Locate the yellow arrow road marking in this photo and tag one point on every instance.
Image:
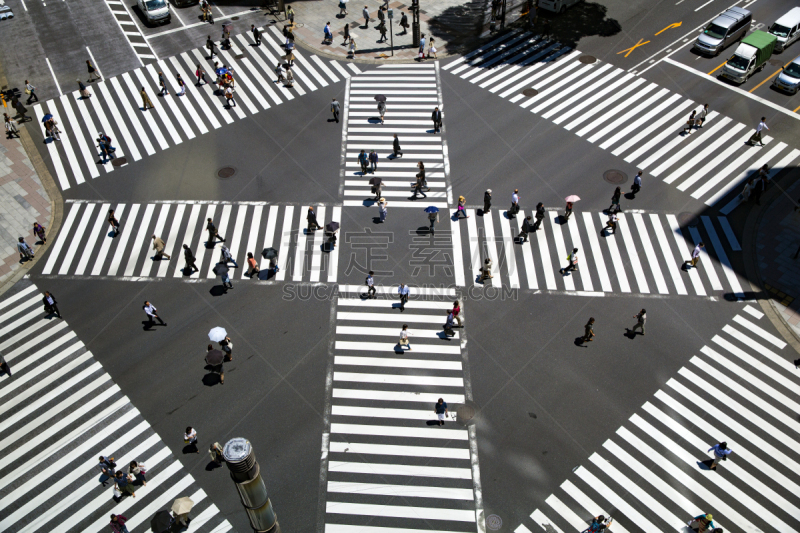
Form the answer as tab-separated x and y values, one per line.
673	25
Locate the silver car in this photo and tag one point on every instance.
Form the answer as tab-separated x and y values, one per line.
789	78
724	30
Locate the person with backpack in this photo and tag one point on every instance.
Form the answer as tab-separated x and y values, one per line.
104	143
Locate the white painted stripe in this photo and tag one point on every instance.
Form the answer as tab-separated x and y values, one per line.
13	312
342	528
243	85
400	470
494	55
727	269
66	144
170	102
269	235
762	351
410	451
623	115
657	125
552	87
394	396
18	296
166	120
119	212
683	251
158	231
597	252
474	244
621	81
141	243
340	69
544	254
200	520
261	83
784	163
400	317
587	503
587	89
491	242
201	245
54	155
85	113
316	252
236	237
76	239
86	149
772	339
663	242
333	255
298	72
538	517
749	309
27	318
286	236
470	55
400	491
393	347
255	226
380	412
222	230
396	363
423	513
527	255
394	204
214	101
670	132
728	230
188	236
118	121
132	115
34	358
508	245
148	116
549	64
358	302
637	125
420	381
300	248
274	60
28	343
575	235
266	83
324	68
561	249
116	259
172	239
578	523
399	431
741	176
704	154
190	96
633	255
184	101
413	291
650	253
602	106
392	332
94	103
88	248
706	262
722	156
691	142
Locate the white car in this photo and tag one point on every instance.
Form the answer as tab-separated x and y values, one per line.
155	11
789	78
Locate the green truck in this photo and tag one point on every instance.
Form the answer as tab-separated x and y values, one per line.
750	56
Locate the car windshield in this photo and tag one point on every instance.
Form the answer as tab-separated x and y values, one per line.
738	62
155	4
717	32
792	70
779	31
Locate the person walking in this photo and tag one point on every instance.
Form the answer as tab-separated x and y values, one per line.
403	291
50	304
279	73
138	471
256	34
721	453
747	190
52	129
611	223
84	90
404	342
689	123
327	34
448	325
421	51
94	74
396	151
572	262
588	331
382	28
117	523
158	246
346	34
213	233
637	183
21	110
190	438
226	279
756	136
641	318
181	85
226	345
252	266
456	311
200	74
343	8
25	251
11	126
527	227
370	283
702	523
311	217
107	468
695	256
210	46
382	211
461	208
514	209
289	76
123	484
403	23
433	218
377	185
487	200
231	102
40	233
436	117
290	14
113	222
146	103
365	15
4	366
30	90
431	49
701	116
382	110
335	109
568	210
152	313
163	84
352	50
189	258
373	161
215	451
104	142
615	198
363	161
421	175
486	270
441	411
226	257
761	184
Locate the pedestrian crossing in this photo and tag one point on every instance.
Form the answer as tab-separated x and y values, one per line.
650	476
115	107
124	19
644	256
390	467
86	246
626	115
60	412
412	92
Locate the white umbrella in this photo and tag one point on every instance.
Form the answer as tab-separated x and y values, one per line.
182	505
217	334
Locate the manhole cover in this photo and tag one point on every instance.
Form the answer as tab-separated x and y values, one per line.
776	62
530	92
587	59
234	18
119	161
465	413
240	56
615	176
688	220
226	172
494	522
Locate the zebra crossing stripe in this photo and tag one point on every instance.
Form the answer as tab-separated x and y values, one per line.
73	248
93	234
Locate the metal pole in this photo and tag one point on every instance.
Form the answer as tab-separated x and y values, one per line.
391	36
246	474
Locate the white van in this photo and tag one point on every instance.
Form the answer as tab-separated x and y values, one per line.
786	29
155	11
557	6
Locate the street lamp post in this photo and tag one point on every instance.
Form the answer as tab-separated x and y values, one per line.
391	32
415	31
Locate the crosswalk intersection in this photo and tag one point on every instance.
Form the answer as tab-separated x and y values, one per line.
61	411
645	255
390	468
86	246
115	105
624	114
650	477
412	92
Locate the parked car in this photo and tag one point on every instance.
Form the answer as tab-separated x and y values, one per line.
789	78
786	29
182	3
155	11
723	31
750	56
557	6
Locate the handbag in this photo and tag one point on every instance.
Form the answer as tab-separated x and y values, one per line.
117	492
403	342
27	91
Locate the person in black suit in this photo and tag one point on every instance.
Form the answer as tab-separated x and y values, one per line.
436	117
50	304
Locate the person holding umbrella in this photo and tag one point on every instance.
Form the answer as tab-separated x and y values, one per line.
433	215
571	199
221	270
330	234
376	187
272	255
215	359
181	509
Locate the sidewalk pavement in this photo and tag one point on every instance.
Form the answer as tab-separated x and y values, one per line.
311	17
778	244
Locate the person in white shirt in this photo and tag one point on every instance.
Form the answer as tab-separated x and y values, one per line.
404	338
612	223
30	89
573	262
757	135
695	255
152	313
190	438
403	291
637	183
370	285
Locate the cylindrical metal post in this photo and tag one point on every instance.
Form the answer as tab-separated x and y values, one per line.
246	474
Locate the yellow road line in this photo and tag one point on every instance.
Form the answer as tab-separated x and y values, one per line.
795	110
716	69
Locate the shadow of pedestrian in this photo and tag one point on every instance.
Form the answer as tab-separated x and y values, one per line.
212	466
630	333
211	379
147	325
218	290
630	195
431	422
579	342
705	465
423	230
190	448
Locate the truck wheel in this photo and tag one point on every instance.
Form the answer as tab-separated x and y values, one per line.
562	10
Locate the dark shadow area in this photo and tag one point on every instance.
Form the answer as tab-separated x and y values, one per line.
218	290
